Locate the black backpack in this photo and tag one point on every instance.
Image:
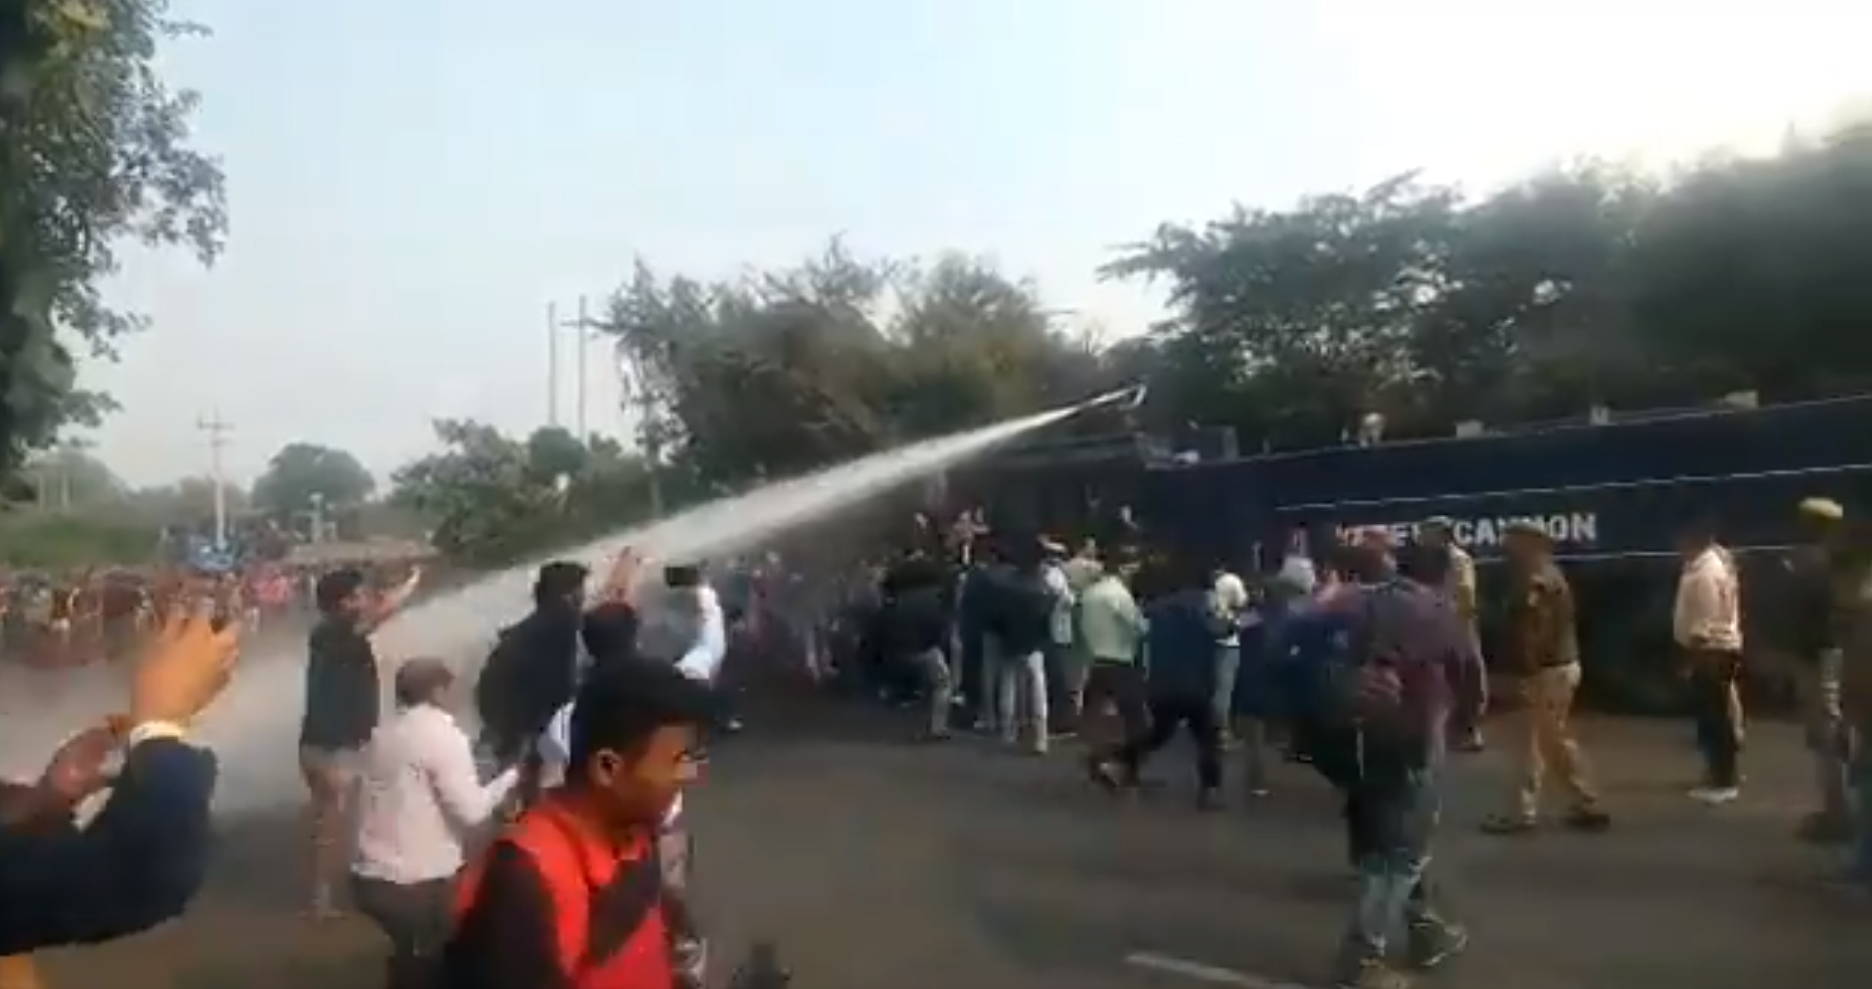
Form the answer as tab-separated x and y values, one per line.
496	686
1020	612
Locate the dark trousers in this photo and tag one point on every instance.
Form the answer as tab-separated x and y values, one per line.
1197	715
416	919
1123	685
969	672
1062	695
1712	676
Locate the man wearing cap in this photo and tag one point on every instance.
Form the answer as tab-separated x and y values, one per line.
1542	655
1438	533
1808	641
1852	621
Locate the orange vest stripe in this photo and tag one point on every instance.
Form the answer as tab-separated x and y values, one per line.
620	897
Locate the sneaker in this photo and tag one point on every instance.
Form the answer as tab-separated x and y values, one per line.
1210	799
1716	796
1372	973
691	962
1508	824
1434	942
1105	773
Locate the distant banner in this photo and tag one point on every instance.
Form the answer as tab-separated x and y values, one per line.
205	556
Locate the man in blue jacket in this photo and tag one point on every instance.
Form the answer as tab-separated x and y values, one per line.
144	856
1181	673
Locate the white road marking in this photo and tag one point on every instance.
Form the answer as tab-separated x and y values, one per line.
1212	974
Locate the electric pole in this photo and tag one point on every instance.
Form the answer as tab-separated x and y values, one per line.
581	389
581	328
217	430
552	364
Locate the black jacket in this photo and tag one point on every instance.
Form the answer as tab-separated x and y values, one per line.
1018	609
531	674
138	864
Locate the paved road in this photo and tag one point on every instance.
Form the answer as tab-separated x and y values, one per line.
879	865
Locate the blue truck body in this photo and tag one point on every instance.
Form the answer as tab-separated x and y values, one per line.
1617	490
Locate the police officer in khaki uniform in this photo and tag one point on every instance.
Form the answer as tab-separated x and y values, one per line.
1542	659
1852	624
1807	643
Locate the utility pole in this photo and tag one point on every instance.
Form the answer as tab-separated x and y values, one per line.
582	327
217	430
581	389
552	364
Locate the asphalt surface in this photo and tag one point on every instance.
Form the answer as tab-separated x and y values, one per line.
877	864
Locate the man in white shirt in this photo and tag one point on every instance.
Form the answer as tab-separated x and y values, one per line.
1063	672
1230	602
419	795
1706	624
683	623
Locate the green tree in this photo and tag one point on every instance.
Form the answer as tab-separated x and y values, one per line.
93	149
302	473
786	371
490	498
1580	287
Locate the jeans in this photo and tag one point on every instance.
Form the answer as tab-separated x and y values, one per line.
938	687
1712	677
1391	815
1066	680
415	917
1019	685
1228	666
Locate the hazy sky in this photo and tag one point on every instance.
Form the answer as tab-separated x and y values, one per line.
412	181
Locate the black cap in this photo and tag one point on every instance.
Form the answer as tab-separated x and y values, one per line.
623	702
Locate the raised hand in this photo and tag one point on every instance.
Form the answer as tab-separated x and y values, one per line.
186	668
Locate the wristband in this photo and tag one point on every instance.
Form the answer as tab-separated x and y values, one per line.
149	730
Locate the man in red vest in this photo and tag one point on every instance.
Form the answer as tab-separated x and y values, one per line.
571	896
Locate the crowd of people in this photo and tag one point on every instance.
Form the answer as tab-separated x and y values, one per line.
52	620
1361	659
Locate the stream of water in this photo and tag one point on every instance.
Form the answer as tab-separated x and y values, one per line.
254	727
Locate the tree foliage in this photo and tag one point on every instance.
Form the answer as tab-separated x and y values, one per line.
491	498
94	148
782	372
1580	287
302	473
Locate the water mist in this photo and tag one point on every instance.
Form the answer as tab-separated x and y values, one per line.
254	727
